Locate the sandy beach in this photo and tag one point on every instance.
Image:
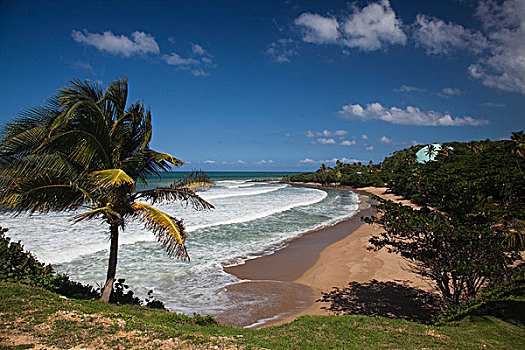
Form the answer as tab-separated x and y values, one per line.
293	278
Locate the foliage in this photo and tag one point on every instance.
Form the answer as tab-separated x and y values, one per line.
356	175
18	265
459	257
87	147
493	301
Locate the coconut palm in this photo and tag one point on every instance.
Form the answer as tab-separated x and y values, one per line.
86	149
431	151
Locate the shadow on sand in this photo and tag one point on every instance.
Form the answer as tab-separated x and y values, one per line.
386	299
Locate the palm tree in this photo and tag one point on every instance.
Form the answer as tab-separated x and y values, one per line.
86	149
431	151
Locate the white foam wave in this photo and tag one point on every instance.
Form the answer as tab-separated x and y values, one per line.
254	216
239	193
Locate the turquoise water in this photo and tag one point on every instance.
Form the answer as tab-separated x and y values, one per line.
250	219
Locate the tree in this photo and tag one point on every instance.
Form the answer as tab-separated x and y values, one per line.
459	257
517	139
85	148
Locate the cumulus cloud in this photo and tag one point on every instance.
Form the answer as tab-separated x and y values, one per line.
209	162
386	140
406	88
449	92
348	143
198	50
364	137
373	27
499	52
325	141
196	64
408	116
176	60
370	28
369	148
318	29
138	43
504	68
438	37
282	50
307	160
326	133
264	161
493	105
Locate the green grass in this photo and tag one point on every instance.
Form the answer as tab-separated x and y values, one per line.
31	315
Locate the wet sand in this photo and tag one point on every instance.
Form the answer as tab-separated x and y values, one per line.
293	278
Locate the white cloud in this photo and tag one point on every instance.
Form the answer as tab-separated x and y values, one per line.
449	92
282	50
364	137
138	43
386	140
198	50
176	60
348	143
325	141
340	133
318	29
369	28
196	65
326	133
406	88
499	52
504	68
373	27
369	148
438	37
209	162
493	105
83	65
409	116
241	161
307	160
263	161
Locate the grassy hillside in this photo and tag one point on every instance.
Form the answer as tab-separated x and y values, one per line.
32	316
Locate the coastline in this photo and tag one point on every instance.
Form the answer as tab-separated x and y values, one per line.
294	277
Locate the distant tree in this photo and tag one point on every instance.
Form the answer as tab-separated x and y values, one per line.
86	148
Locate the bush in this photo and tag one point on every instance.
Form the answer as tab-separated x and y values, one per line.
20	266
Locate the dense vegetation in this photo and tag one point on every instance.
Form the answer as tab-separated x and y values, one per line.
470	243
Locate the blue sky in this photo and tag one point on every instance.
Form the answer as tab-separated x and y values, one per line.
280	85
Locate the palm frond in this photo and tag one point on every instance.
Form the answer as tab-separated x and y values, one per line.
42	193
183	191
111	178
175	194
106	212
168	230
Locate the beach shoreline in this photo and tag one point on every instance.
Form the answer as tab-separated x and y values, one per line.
294	277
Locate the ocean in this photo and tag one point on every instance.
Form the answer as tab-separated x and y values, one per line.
251	218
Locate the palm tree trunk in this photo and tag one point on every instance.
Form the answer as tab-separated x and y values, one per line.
112	268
